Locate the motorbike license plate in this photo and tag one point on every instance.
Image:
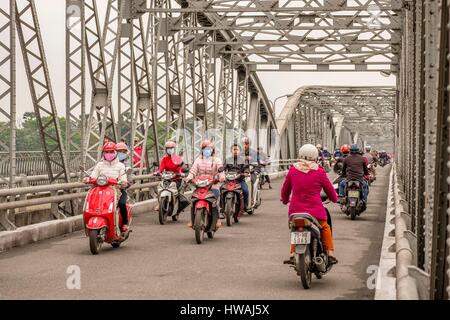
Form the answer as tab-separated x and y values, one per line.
353	194
301	237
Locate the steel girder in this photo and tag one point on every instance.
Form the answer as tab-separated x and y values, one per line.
102	52
310	35
75	82
8	85
36	67
8	95
422	138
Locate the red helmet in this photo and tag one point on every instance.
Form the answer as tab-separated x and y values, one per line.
345	148
109	146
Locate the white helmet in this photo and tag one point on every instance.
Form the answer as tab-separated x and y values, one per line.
308	152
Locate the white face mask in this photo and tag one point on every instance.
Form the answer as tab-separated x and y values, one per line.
170	151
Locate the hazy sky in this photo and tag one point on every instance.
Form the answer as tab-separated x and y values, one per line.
52	22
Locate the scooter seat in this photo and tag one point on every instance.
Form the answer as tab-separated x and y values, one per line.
307	216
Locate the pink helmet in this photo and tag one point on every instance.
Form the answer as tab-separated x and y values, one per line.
170	144
206	143
121	146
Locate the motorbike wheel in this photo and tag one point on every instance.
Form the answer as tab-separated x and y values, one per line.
115	245
198	225
228	211
163	213
94	243
303	262
237	212
352	213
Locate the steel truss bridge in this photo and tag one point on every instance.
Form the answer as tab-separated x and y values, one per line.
185	70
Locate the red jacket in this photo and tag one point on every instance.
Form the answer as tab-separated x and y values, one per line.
168	165
305	188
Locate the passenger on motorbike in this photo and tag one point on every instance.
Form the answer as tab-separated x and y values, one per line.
236	162
354	168
208	164
111	167
305	180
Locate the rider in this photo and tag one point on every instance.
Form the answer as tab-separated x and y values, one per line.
236	162
208	164
355	168
384	155
325	153
111	167
264	159
171	162
305	180
250	155
319	147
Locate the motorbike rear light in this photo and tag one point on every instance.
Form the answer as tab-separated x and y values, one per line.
302	223
300	229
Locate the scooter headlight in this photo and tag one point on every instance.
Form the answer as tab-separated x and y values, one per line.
202	183
102	181
231	176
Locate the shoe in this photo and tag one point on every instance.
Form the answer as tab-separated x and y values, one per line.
332	260
125	227
218	224
290	261
270	187
189	225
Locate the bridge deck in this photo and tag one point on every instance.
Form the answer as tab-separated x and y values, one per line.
163	262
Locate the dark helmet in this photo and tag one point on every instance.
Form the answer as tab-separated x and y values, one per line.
354	148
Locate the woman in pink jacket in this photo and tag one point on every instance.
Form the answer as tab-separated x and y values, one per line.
305	180
208	164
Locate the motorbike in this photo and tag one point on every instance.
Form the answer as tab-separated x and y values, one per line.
325	162
168	197
232	197
372	176
337	168
101	215
254	189
383	162
353	204
203	200
264	174
309	256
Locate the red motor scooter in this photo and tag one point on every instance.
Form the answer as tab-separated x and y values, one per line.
102	218
203	200
232	197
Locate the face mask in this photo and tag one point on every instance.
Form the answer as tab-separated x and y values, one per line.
207	153
170	151
110	156
122	156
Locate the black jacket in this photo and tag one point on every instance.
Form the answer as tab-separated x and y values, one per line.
355	167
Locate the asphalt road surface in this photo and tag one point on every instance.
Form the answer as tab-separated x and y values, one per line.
164	262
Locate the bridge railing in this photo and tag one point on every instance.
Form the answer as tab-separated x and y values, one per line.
62	196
